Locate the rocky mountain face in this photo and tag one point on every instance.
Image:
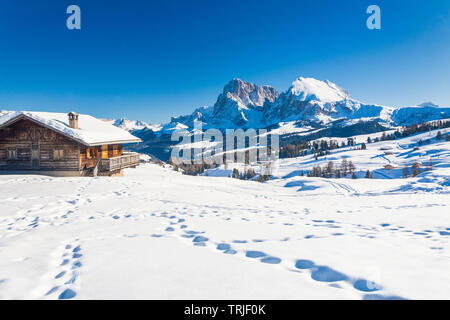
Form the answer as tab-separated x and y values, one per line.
239	105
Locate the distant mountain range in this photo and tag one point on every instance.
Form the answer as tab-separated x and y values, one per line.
307	103
308	109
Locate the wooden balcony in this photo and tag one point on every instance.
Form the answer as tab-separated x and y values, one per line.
127	160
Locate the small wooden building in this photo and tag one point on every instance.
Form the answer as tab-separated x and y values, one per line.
61	144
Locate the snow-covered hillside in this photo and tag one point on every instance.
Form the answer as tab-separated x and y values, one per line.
422	113
154	234
384	159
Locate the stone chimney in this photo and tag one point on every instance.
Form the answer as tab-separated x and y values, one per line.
73	120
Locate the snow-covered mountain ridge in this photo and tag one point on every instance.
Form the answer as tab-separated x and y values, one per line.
308	101
129	125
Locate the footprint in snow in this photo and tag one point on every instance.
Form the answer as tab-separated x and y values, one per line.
67	294
200	239
271	260
254	254
52	290
304	264
192	232
70	267
156	235
223	246
381	297
327	274
64	262
226	248
366	286
265	258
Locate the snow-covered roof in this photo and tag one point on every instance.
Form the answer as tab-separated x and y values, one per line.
90	132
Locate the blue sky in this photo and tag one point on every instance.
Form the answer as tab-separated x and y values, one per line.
150	60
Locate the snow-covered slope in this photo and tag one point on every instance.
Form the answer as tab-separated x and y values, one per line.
421	113
310	89
311	100
153	234
421	148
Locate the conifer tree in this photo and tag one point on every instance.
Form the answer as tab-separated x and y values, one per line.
236	174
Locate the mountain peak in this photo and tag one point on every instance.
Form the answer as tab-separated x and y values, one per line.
249	92
428	104
310	89
129	125
240	100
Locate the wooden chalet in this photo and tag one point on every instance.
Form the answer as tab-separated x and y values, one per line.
59	144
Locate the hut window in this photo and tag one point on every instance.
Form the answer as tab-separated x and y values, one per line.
23	154
58	154
91	153
11	154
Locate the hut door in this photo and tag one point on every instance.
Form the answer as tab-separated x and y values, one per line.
35	156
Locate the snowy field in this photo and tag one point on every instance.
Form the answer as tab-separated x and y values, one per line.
157	234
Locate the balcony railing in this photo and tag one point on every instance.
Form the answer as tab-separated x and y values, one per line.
116	163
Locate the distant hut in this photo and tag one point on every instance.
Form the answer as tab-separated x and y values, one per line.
416	165
60	144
